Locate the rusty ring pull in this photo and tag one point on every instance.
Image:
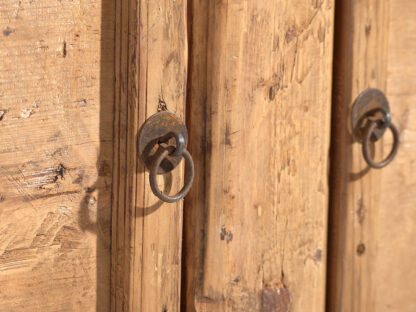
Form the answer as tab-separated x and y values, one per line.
180	142
366	152
370	117
162	145
188	178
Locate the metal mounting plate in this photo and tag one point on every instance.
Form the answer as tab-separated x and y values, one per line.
371	103
155	127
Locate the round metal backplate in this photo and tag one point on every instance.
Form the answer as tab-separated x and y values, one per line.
157	126
370	104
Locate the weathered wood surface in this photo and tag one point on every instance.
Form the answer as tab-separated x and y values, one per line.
260	97
56	108
395	266
371	267
151	66
372	216
359	63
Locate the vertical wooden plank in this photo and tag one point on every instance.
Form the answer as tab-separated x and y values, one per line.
360	59
164	73
256	217
124	163
147	234
373	267
396	221
196	121
56	107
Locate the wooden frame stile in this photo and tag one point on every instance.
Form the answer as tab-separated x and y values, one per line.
260	94
360	62
151	66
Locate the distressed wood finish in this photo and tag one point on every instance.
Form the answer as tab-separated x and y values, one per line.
372	224
396	219
359	63
259	123
151	67
56	107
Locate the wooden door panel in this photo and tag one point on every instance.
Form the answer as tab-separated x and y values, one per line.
77	81
396	226
372	216
151	69
56	103
259	117
360	57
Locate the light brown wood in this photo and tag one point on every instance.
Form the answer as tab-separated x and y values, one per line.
372	260
151	67
259	121
395	266
56	107
359	63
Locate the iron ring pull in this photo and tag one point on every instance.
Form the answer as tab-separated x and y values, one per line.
366	142
370	118
190	173
161	146
180	142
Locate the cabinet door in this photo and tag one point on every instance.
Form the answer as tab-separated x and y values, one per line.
372	224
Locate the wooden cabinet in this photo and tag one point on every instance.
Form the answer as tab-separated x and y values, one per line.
283	215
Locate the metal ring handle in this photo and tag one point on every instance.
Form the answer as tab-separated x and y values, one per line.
188	178
180	142
366	153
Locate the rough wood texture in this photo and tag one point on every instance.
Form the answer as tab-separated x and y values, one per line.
395	265
56	108
372	223
259	123
151	66
360	59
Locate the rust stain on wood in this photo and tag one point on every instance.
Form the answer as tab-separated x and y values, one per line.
276	299
360	210
8	31
226	235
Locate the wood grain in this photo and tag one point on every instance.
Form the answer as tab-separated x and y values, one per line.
151	67
56	107
372	266
395	268
259	121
